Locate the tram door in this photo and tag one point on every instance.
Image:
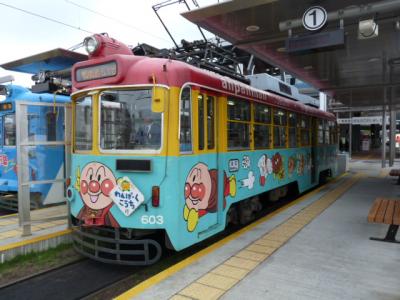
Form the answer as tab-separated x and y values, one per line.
314	143
207	158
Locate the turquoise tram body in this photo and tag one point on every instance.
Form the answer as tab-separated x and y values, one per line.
166	153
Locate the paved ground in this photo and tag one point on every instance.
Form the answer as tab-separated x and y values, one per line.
330	256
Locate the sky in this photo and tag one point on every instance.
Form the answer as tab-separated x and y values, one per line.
129	21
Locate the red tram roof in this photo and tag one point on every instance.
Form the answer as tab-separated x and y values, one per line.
139	70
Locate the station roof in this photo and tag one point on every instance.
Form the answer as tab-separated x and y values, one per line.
355	72
53	60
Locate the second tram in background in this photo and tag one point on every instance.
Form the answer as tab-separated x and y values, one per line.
42	123
167	153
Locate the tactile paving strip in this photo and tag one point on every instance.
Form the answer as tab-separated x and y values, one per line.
222	278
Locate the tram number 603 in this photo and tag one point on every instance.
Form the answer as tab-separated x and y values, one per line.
152	219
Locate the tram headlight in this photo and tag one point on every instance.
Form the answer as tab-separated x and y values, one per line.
91	44
70	194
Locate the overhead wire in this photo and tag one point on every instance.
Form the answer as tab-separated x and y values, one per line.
45	18
114	19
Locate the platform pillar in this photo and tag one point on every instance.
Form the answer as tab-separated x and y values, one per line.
384	135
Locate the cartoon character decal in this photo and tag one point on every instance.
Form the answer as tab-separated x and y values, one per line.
249	181
201	194
292	161
94	184
277	166
246	162
265	166
300	164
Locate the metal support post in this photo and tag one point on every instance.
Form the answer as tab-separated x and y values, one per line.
392	136
350	134
24	207
384	135
322	101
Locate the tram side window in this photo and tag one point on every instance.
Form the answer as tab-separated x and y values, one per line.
83	123
200	114
332	133
326	132
292	130
262	126
280	125
210	122
238	124
9	130
185	121
320	132
305	131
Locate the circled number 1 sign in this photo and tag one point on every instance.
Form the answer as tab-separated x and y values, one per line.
314	18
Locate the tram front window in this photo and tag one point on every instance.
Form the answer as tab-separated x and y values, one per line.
83	123
127	121
9	130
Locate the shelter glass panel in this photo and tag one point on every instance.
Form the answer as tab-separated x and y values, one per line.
45	123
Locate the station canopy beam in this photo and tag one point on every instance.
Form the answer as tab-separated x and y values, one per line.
360	67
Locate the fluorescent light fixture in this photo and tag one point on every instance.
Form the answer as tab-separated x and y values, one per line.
253	28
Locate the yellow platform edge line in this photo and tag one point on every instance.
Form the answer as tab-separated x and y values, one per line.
35	211
35	240
9	216
141	287
334	194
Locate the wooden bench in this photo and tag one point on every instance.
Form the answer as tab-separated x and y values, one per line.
386	211
396	173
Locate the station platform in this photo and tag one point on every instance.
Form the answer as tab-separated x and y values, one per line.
45	234
316	247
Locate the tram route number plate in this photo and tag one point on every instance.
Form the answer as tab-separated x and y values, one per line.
126	196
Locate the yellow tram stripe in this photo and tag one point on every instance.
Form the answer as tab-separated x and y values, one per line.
141	287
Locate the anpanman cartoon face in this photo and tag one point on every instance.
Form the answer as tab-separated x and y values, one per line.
97	181
277	163
198	187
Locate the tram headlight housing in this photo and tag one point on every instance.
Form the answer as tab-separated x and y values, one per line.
70	194
91	44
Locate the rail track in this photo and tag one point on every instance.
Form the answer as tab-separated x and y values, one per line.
88	279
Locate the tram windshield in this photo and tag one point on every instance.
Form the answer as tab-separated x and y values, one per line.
127	121
9	130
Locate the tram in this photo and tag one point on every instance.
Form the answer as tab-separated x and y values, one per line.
167	153
43	123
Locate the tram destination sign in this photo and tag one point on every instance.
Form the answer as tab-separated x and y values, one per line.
99	71
315	41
